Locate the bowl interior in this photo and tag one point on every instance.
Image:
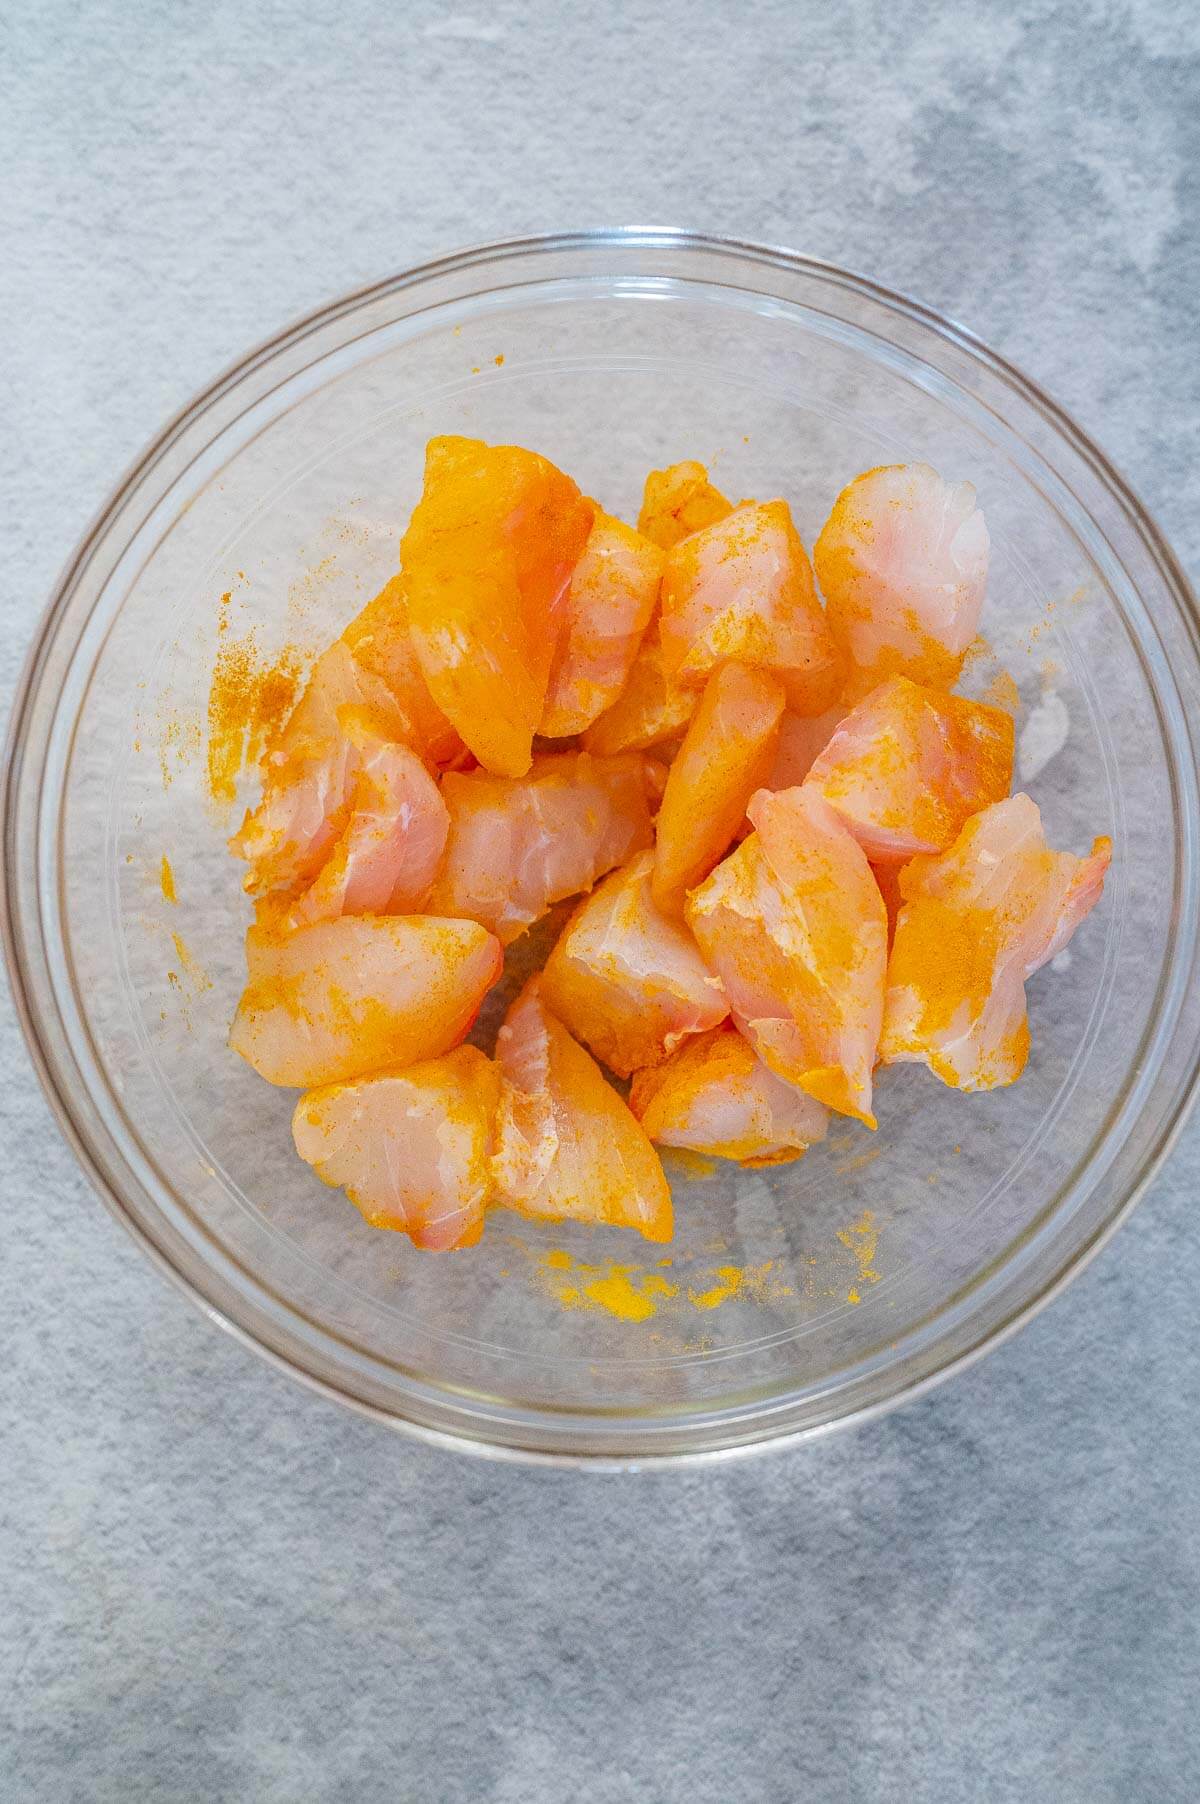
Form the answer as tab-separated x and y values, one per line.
795	1292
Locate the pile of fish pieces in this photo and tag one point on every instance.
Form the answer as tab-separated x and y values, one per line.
796	847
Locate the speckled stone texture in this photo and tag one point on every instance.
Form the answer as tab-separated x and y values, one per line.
216	1587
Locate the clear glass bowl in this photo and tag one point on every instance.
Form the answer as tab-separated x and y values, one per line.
795	1298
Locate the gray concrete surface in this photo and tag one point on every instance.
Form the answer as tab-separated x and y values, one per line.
216	1587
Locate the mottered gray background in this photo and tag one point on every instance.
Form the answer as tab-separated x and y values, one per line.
216	1586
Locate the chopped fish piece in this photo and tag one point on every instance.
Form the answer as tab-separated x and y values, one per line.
626	979
794	925
341	998
902	561
568	1148
743	588
412	1148
677	501
486	560
390	849
802	737
976	922
909	765
610	602
727	753
714	1095
382	643
308	774
517	845
650	710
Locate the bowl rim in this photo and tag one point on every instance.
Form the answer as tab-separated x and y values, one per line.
491	252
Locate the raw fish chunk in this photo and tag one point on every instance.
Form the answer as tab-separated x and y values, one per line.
336	681
485	562
390	849
802	737
909	765
610	602
795	927
412	1148
743	588
975	923
309	770
715	1096
902	561
308	774
341	998
651	709
677	501
568	1148
517	845
626	979
728	752
381	641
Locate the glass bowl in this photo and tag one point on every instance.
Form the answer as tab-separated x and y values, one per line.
794	1298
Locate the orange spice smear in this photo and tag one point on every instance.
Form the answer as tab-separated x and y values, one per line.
248	701
636	1293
